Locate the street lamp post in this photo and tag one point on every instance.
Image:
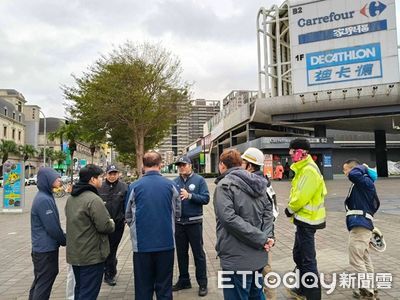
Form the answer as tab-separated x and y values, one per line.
45	138
204	154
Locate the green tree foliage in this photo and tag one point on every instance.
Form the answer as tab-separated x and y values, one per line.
49	155
128	159
134	94
27	151
74	131
70	131
59	157
7	147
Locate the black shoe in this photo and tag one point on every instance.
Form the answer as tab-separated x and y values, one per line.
181	286
296	294
203	291
365	294
110	281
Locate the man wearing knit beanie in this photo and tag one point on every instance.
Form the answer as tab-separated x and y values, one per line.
306	210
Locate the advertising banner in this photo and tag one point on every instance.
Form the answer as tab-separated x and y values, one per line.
202	159
338	44
268	166
14	184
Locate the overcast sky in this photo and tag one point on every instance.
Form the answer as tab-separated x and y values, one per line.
42	42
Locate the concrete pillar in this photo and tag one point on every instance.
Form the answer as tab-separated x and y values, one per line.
220	150
320	131
251	133
381	153
233	141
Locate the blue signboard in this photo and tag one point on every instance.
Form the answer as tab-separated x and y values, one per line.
13	182
344	64
342	32
327	161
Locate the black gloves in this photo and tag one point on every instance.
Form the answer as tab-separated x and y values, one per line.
287	213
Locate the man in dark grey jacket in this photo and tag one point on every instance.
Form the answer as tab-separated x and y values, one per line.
244	226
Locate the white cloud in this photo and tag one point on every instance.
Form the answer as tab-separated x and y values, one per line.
43	42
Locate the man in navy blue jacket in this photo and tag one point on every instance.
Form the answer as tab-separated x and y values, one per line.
361	204
152	205
189	227
47	235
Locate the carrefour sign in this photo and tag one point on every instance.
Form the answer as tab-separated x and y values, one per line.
332	17
371	9
342	43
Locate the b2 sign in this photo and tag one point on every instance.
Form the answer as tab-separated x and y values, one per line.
339	44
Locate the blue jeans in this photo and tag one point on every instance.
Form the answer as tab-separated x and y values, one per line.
250	292
88	281
304	256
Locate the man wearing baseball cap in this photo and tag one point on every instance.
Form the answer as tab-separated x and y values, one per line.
189	227
113	193
307	211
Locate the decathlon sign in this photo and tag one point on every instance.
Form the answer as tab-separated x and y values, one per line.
343	59
344	64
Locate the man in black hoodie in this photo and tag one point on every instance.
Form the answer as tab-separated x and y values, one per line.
88	226
47	235
113	193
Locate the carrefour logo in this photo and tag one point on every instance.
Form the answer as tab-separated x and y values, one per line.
373	9
332	17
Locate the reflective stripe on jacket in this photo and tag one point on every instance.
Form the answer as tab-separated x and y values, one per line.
307	195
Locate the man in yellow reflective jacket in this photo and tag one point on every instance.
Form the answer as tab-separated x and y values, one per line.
307	211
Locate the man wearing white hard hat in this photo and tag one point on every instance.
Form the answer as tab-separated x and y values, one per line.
253	161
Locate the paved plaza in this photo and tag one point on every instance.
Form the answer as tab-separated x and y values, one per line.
16	271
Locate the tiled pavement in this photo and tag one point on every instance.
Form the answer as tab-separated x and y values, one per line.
16	267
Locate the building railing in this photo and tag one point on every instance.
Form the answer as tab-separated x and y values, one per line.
232	102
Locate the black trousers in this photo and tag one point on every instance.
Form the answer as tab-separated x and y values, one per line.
304	256
153	272
191	234
45	270
88	281
110	269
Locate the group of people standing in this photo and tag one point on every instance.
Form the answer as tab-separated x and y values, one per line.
95	218
163	215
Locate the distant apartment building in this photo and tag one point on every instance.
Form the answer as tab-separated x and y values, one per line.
237	98
187	129
12	116
203	110
173	145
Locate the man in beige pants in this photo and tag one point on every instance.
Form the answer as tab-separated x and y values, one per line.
361	204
